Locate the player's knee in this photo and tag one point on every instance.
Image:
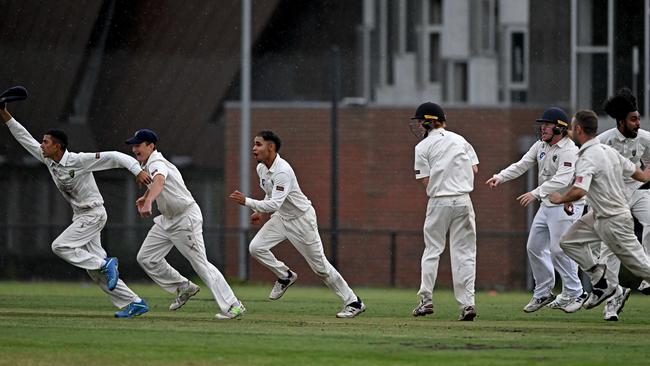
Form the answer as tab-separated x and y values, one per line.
143	261
255	250
557	252
57	248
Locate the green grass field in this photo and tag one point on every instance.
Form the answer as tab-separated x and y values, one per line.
72	324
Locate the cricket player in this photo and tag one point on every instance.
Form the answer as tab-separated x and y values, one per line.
80	244
292	218
634	144
599	176
555	155
445	163
179	225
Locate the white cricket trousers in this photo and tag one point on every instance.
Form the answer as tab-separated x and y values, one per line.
302	233
617	232
640	208
80	245
453	215
185	232
545	255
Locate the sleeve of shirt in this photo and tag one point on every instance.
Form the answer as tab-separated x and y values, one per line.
517	169
563	176
472	154
584	174
645	158
281	188
105	160
422	168
25	139
157	167
628	167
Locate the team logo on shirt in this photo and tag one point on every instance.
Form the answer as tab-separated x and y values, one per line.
554	158
263	181
71	174
634	152
542	155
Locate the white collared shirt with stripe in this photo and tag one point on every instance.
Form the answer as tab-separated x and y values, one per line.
446	158
283	194
175	198
637	150
599	171
73	174
556	168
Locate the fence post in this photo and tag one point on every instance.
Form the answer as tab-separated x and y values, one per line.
393	257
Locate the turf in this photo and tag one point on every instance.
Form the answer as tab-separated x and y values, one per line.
72	324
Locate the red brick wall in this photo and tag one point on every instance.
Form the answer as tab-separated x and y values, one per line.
378	191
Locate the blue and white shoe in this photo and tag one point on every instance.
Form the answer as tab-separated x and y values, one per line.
133	309
110	271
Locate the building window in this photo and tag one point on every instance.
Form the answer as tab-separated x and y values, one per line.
592	52
483	27
435	64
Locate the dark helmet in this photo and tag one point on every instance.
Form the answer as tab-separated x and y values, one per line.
430	112
555	115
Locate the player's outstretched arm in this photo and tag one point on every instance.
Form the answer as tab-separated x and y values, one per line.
21	135
113	160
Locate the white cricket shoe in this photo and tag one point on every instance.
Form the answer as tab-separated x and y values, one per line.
560	302
352	309
644	287
576	304
615	304
537	303
601	288
282	284
467	314
183	293
425	307
235	311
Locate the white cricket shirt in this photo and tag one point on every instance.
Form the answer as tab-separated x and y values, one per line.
283	194
73	174
175	198
599	171
556	168
636	150
446	158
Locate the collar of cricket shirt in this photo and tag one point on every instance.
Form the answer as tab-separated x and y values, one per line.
588	144
275	163
63	161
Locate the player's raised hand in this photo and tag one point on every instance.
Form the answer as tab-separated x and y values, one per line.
238	197
493	182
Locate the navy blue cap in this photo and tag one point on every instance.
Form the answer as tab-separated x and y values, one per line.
143	135
555	115
430	111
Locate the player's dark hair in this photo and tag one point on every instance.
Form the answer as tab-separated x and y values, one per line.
621	104
588	120
267	135
59	137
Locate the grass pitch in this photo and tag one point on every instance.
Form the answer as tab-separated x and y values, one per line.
72	324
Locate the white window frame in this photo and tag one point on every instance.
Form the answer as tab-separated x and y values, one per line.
577	50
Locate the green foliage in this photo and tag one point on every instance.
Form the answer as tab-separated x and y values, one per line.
72	324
